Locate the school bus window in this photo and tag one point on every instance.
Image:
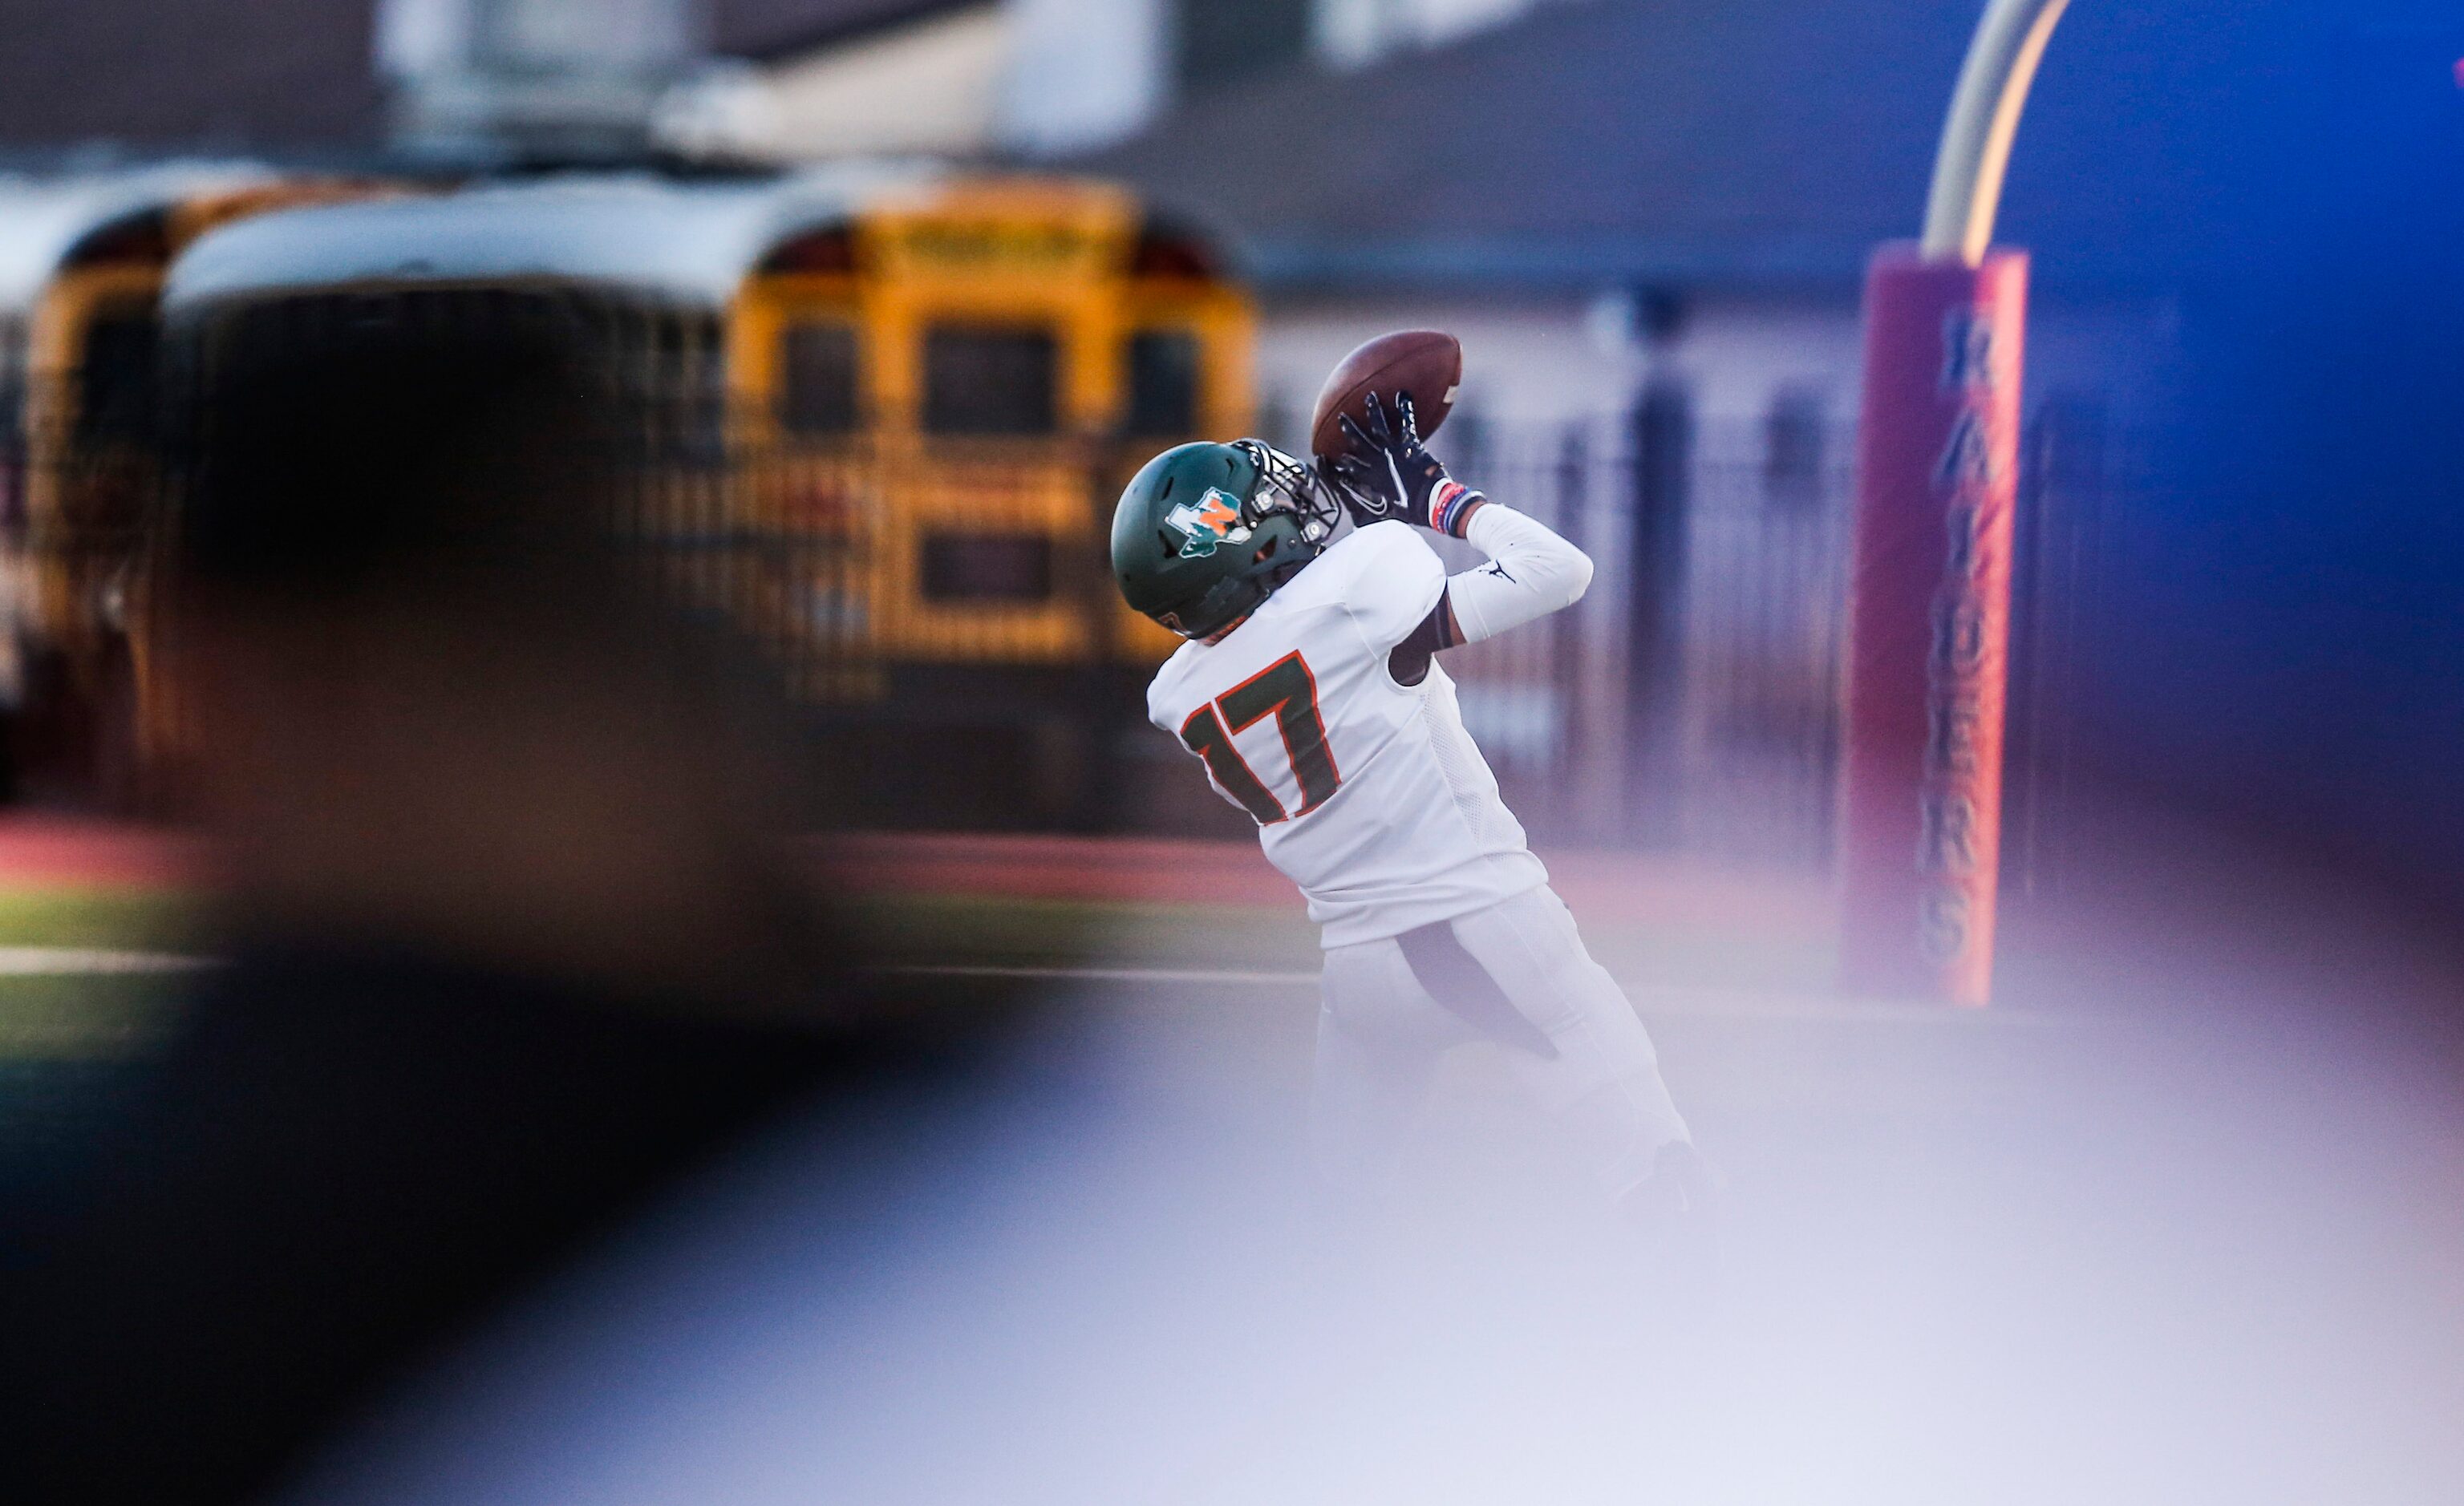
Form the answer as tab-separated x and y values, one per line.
1163	383
689	387
115	388
991	380
825	252
817	389
1170	251
12	429
12	381
987	567
139	240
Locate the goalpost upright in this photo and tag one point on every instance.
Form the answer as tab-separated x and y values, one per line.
1929	601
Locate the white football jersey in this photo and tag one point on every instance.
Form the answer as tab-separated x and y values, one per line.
1369	794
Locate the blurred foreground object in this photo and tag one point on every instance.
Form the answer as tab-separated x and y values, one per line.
82	261
2114	1247
517	942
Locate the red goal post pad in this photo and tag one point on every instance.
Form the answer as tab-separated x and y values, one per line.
1930	623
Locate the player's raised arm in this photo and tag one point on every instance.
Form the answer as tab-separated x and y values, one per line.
1532	573
1387	474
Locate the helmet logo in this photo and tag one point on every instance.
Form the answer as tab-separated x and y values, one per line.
1215	518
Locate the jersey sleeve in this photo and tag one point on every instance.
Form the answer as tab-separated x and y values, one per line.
1532	573
1394	581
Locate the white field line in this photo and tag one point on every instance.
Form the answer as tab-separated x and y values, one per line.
79	962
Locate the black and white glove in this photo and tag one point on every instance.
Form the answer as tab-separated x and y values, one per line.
1387	474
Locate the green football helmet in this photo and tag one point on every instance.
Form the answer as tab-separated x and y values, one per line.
1204	533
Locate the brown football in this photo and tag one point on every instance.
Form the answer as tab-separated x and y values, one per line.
1426	363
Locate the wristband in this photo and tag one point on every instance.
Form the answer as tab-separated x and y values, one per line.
1451	507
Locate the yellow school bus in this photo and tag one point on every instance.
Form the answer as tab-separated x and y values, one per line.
84	263
963	364
892	406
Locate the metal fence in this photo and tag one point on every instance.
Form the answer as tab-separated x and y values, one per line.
1690	702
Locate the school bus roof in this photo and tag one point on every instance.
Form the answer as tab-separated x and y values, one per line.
43	219
690	243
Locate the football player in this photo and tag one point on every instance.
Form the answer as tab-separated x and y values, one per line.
1310	690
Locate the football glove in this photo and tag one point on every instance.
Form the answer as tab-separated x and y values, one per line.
1387	474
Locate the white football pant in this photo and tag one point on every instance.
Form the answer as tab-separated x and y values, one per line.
1514	974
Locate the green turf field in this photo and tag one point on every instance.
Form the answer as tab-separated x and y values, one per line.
132	920
51	1016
